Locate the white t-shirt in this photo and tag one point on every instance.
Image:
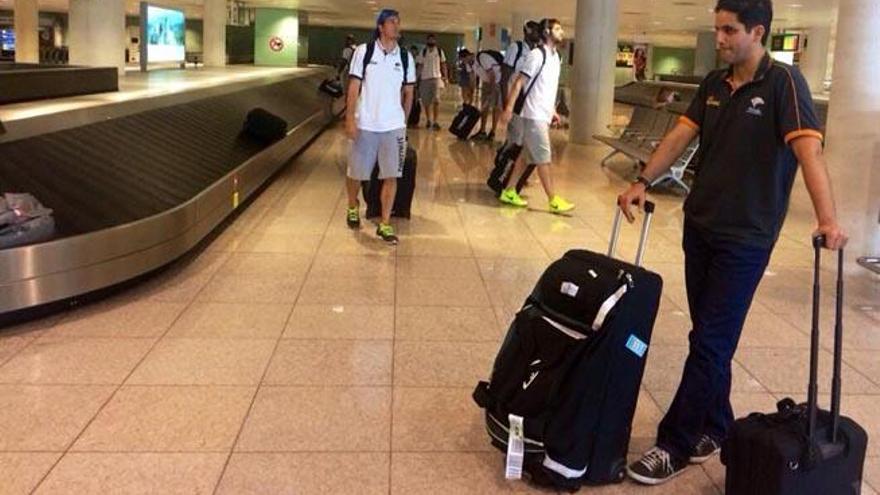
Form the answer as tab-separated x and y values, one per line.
430	60
347	53
487	64
510	59
380	105
540	104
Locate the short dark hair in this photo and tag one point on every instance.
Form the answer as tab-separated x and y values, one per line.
751	13
547	26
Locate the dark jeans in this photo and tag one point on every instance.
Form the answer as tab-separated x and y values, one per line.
721	277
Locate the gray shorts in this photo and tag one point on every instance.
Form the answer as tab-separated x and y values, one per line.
536	142
388	148
515	130
428	89
490	96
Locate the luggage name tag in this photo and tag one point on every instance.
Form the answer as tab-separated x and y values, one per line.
515	448
569	289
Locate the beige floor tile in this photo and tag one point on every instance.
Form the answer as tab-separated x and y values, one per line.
787	371
348	266
489	247
427	323
694	481
303	419
438	420
204	362
119	318
12	342
331	362
508	294
348	291
21	472
267	264
303	221
46	418
102	473
442	292
290	243
242	288
872	471
671	327
341	322
168	419
364	242
423	245
442	364
435	267
665	365
862	409
459	473
644	424
865	362
231	320
183	281
75	361
306	474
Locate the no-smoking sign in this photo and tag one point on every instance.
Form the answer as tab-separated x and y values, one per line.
276	44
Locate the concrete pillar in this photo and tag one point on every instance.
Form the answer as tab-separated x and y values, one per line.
517	22
27	36
470	39
853	136
706	56
214	33
814	60
97	33
592	99
491	36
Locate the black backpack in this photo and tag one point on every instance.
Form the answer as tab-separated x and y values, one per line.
492	53
521	99
404	60
521	48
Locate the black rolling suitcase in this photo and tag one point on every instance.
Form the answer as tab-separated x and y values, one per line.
463	124
564	386
505	160
415	114
800	450
406	187
264	126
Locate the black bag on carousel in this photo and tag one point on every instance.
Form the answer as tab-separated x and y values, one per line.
332	87
406	187
264	126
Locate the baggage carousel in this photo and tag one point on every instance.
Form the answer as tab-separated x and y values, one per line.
137	183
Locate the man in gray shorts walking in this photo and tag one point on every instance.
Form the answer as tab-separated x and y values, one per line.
432	75
380	95
538	80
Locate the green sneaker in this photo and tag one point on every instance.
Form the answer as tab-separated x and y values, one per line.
386	232
511	197
353	218
559	205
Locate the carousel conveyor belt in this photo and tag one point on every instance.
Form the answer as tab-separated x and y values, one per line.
133	193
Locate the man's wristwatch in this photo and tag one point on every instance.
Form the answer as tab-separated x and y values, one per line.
642	180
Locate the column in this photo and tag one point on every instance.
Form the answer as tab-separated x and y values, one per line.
97	33
27	36
516	26
592	99
491	36
853	136
214	33
814	60
706	56
470	39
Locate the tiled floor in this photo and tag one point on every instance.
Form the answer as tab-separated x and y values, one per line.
294	356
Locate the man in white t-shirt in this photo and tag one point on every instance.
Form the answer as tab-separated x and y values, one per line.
488	70
432	76
514	60
345	61
380	95
539	82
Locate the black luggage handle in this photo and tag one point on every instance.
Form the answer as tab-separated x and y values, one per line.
813	392
643	240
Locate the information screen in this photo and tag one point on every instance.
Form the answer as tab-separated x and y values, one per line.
165	33
7	40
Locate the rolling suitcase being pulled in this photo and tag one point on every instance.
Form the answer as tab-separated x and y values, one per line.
406	187
463	124
565	383
800	449
505	162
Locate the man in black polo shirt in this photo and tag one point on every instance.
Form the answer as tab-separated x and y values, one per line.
756	122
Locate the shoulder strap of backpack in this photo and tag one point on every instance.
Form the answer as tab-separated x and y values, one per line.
404	62
519	53
521	101
371	47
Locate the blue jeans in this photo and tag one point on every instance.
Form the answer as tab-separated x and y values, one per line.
721	278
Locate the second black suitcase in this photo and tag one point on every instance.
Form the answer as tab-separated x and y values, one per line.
406	187
800	449
463	124
565	384
505	162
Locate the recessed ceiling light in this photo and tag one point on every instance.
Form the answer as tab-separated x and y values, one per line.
657	23
690	18
796	5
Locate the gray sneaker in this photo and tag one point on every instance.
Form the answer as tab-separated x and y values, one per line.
656	466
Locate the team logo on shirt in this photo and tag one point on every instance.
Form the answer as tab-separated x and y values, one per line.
755	109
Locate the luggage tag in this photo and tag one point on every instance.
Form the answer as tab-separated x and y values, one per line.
515	448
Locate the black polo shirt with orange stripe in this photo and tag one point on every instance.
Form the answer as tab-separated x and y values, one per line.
746	167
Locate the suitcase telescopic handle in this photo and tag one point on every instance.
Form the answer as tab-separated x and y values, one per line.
643	239
813	392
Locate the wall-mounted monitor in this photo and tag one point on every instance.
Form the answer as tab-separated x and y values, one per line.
785	43
163	35
7	40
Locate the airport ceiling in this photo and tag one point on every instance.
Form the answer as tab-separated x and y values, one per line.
667	22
